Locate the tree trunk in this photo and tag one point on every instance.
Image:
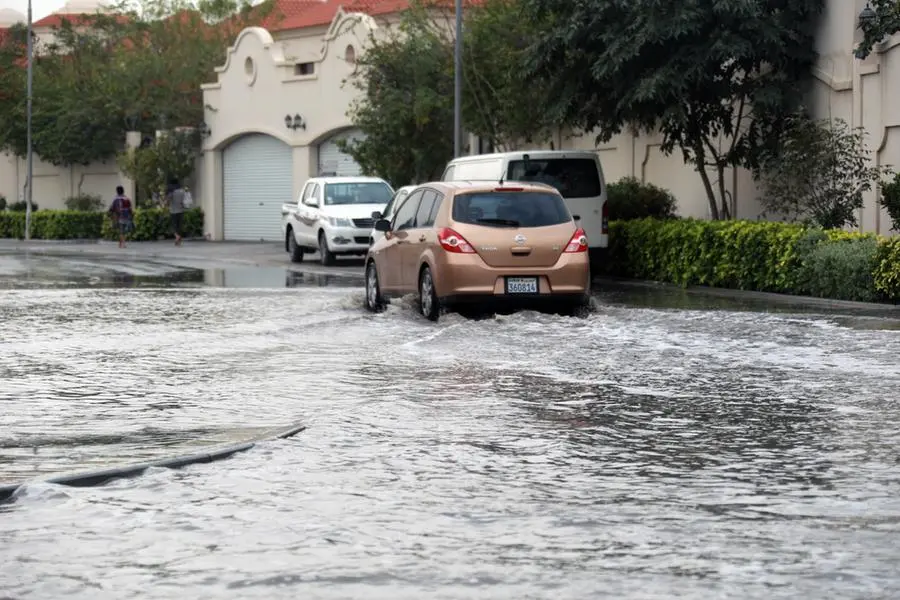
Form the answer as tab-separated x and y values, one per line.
707	184
723	195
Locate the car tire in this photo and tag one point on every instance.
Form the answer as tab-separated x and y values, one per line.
429	305
326	256
374	299
295	251
578	308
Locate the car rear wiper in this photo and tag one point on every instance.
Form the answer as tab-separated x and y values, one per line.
504	222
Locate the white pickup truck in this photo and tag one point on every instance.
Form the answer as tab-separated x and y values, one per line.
333	216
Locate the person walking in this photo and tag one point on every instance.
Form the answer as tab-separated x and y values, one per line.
175	199
122	215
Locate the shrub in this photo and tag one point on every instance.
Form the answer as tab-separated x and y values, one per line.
20	206
735	254
53	225
152	224
840	268
2	202
84	202
890	200
759	256
887	268
12	224
630	199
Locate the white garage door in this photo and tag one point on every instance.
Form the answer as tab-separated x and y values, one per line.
334	162
258	180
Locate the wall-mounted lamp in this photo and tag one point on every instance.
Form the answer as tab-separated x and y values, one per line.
296	122
867	17
205	130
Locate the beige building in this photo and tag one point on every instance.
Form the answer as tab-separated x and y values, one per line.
279	103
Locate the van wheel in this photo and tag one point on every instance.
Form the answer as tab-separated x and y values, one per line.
295	251
429	305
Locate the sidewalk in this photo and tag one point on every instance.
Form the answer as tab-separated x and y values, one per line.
248	253
191	254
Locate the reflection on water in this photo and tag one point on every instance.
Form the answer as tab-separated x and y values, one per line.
645	451
27	271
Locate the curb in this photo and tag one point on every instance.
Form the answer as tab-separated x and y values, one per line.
100	476
751	294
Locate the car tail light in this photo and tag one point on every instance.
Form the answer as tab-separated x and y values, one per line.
453	242
509	189
604	225
578	243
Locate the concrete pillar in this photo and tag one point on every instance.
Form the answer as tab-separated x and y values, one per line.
132	141
305	160
211	195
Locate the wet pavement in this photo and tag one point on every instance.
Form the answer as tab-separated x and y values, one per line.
670	445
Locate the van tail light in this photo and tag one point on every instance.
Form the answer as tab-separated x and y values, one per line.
578	243
453	242
604	225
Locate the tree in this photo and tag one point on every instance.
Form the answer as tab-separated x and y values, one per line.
137	66
151	166
819	172
715	78
406	81
502	101
77	117
406	105
882	22
890	200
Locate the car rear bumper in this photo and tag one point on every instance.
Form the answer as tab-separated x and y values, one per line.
467	275
491	301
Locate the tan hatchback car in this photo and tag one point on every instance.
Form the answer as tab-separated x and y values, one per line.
479	243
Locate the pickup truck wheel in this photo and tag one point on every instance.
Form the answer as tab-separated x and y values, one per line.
374	299
325	255
295	250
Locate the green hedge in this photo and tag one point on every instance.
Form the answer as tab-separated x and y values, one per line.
758	256
149	224
154	224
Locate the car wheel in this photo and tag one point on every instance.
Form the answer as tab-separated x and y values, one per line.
325	255
374	299
578	308
295	250
429	305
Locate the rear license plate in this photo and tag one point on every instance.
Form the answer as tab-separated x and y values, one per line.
521	285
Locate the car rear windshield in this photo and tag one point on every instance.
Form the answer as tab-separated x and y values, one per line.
357	193
573	177
510	209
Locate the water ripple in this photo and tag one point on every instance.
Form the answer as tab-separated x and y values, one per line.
637	453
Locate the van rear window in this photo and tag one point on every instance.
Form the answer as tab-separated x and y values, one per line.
510	209
573	177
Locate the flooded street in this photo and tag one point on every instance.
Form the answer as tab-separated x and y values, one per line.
666	446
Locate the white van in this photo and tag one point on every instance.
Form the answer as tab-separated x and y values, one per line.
577	175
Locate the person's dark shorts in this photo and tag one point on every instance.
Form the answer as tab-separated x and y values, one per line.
125	227
177	219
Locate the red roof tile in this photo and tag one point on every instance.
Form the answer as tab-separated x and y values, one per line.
56	20
299	14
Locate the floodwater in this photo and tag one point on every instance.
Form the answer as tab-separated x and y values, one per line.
665	446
